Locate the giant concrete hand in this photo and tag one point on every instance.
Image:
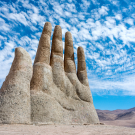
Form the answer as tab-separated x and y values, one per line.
58	94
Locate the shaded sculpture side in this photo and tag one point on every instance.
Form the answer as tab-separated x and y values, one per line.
15	91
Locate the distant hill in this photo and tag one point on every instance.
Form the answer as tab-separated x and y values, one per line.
105	116
125	116
118	117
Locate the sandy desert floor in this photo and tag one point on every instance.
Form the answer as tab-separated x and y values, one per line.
65	130
124	123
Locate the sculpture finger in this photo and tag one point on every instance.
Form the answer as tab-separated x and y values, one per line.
69	63
82	72
57	47
42	59
43	51
15	91
56	61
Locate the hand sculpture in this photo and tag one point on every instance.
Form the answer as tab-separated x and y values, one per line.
58	95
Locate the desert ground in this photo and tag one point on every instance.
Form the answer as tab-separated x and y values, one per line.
65	130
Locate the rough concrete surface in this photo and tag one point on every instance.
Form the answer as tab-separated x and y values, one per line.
56	93
15	91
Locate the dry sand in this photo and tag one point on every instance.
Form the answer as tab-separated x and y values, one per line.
65	130
125	123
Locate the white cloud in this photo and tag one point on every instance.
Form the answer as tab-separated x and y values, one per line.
26	3
81	16
57	8
2	38
68	14
114	2
94	56
6	58
19	17
85	4
129	21
103	10
4	26
126	86
118	16
70	7
95	2
95	14
70	1
99	46
95	30
74	21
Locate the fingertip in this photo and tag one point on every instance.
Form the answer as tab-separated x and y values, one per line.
47	28
57	32
68	39
21	52
57	46
68	35
80	54
80	48
69	51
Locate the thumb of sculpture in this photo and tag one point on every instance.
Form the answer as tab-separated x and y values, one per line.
15	91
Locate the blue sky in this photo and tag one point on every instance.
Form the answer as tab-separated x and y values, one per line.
104	28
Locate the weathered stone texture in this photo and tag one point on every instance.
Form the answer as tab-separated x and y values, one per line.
81	72
60	88
69	64
58	94
43	52
15	91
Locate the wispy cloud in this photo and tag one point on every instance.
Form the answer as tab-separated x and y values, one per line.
124	86
105	29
